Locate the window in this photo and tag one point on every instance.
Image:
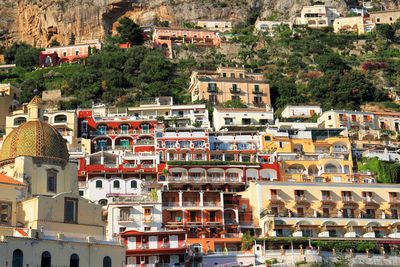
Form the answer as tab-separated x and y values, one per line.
107	262
234	97
81	193
232	75
46	259
224	75
99	184
51	181
116	184
246	121
267	138
74	260
234	87
133	184
329	117
257	100
64	54
71	210
131	242
228	121
124	213
18	258
5	213
77	53
147	212
213	99
257	88
241	75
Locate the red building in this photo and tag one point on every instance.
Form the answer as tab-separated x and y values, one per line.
163	248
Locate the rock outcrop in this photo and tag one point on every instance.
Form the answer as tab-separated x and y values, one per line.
38	22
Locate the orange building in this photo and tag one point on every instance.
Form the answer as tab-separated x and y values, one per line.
166	39
227	83
71	53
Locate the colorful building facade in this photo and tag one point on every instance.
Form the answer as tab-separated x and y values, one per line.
227	84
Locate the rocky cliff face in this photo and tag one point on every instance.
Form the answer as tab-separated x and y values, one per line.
38	22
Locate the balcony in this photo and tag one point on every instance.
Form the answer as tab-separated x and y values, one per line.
275	199
257	92
147	219
212	90
194	223
368	200
394	201
214	223
326	199
129	166
125	219
148	166
170	204
230	222
347	199
340	150
110	166
300	199
234	91
190	204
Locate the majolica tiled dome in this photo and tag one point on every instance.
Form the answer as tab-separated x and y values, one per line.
36	139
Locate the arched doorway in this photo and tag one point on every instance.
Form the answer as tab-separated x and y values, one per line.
46	259
74	260
107	262
18	258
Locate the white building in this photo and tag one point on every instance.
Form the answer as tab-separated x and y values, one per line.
215	25
291	111
384	155
226	118
268	27
317	16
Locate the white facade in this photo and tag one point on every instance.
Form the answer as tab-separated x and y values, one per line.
141	213
225	117
384	155
300	111
270	26
215	25
100	188
317	16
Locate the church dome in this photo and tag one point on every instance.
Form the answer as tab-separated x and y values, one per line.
35	139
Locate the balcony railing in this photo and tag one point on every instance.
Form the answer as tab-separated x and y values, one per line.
340	150
347	199
368	199
161	245
190	204
300	198
257	92
230	222
129	166
275	197
148	166
212	90
235	91
326	198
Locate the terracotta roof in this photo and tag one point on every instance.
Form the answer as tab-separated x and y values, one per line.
241	109
387	113
4	179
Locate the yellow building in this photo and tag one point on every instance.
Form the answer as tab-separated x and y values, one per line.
350	24
9	101
318	155
65	122
227	84
44	221
325	209
385	16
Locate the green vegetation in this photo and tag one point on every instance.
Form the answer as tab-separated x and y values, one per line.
247	241
387	172
129	32
343	246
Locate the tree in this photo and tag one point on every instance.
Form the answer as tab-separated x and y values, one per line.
234	103
129	32
72	39
27	57
54	43
9	54
386	31
331	61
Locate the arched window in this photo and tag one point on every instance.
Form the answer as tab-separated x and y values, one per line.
116	184
18	258
133	184
99	184
74	260
46	259
103	202
107	262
